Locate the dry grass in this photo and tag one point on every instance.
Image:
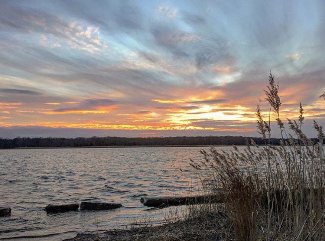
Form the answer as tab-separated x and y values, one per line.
273	192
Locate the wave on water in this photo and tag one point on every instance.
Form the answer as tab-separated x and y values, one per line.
121	175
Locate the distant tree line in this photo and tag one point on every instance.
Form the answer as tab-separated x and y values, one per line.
26	142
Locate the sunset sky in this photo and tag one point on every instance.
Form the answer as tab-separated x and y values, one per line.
156	68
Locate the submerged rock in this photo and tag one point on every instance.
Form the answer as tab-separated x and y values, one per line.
5	212
61	208
96	206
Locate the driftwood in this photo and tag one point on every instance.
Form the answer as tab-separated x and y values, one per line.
96	206
278	196
161	202
61	208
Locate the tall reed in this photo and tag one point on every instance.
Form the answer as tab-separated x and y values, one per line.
273	192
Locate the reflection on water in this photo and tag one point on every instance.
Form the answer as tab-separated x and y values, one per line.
30	179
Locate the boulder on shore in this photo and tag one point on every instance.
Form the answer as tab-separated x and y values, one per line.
96	206
61	208
5	212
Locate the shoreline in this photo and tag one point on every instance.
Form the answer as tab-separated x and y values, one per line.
109	147
207	226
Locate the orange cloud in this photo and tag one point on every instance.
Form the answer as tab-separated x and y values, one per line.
97	110
52	103
167	101
9	105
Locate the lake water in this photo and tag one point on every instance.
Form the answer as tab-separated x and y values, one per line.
30	179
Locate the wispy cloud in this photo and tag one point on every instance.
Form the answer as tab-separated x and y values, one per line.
294	57
167	11
89	106
19	91
54	31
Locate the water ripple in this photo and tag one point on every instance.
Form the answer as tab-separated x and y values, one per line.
37	177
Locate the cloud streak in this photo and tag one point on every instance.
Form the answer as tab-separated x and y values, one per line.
156	66
19	91
55	31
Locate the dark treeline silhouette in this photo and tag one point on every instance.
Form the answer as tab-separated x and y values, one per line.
26	142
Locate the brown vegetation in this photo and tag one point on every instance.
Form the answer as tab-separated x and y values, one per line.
292	175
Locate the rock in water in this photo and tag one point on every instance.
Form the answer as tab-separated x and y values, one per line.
96	206
61	208
5	212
